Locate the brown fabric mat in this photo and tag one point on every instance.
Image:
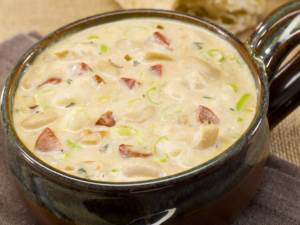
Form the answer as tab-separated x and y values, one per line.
276	203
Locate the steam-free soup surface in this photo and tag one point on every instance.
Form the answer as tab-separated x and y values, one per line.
134	100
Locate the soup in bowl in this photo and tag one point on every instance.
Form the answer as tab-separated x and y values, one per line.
134	99
147	117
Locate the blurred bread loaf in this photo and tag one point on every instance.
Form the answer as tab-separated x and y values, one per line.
147	4
234	15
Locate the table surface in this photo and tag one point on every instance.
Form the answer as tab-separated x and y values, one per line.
45	16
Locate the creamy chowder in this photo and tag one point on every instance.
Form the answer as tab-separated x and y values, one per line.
134	100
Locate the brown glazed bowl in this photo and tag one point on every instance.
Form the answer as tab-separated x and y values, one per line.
210	194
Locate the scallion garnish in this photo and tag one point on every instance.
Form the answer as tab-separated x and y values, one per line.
124	130
93	37
241	103
234	87
71	144
103	48
216	53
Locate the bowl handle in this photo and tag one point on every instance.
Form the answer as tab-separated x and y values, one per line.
271	43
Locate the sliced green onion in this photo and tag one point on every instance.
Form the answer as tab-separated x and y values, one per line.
207	97
67	155
233	58
240	119
159	140
124	130
114	170
216	53
93	37
148	93
234	87
241	103
71	144
104	98
164	159
133	101
103	48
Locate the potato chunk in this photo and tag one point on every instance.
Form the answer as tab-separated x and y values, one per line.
141	115
157	56
209	136
90	138
38	120
141	170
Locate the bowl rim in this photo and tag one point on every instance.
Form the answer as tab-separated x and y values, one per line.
255	65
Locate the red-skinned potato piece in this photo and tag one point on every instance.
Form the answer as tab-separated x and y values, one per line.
85	67
52	80
47	141
131	83
126	151
107	119
206	115
157	69
161	38
81	68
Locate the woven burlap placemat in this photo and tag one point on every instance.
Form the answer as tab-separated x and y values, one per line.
285	138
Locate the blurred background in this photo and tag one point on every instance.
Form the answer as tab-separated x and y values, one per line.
44	16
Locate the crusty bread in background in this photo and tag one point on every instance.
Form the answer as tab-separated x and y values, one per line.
154	4
234	15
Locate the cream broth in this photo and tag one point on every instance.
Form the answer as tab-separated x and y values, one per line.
134	100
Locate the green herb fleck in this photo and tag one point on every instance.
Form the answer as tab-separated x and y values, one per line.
231	109
103	48
199	45
148	95
240	119
233	58
93	37
234	87
69	81
216	53
136	63
133	101
241	103
104	98
207	97
67	155
114	170
164	159
71	144
124	130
